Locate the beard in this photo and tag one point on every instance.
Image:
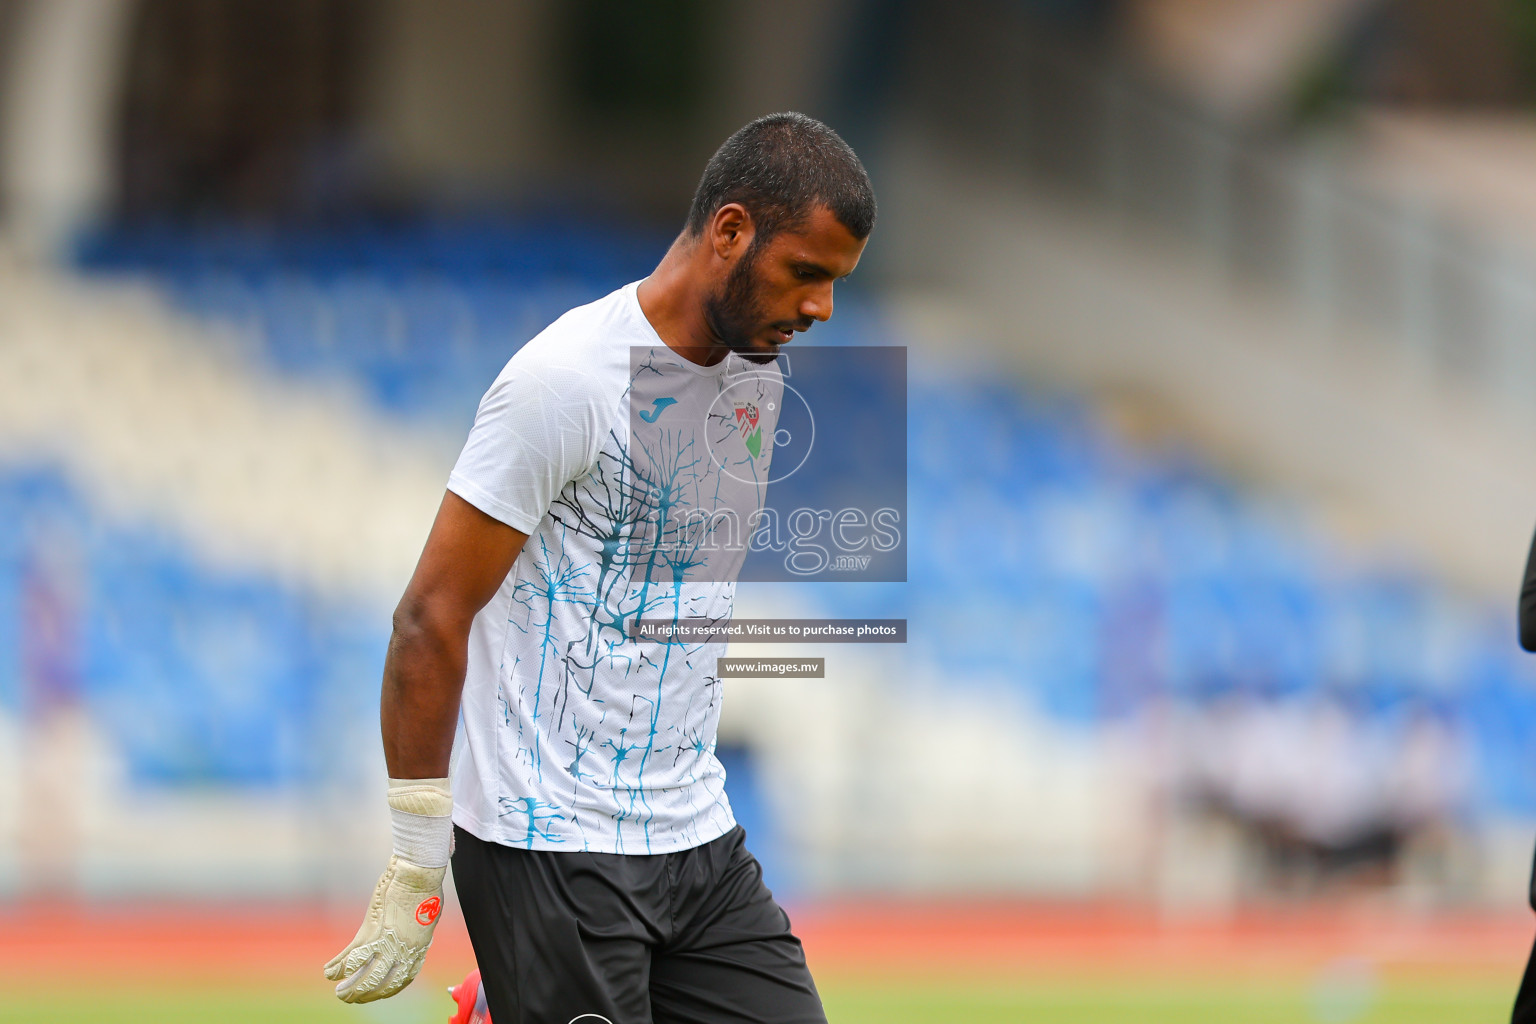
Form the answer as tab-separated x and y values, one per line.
735	316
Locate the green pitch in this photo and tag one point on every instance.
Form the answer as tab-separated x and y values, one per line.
863	1002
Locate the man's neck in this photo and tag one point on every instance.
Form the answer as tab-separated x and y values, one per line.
673	302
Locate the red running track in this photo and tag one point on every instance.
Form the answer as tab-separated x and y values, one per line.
149	944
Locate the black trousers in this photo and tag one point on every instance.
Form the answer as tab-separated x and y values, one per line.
692	937
1525	999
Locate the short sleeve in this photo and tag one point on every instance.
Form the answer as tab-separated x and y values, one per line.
538	428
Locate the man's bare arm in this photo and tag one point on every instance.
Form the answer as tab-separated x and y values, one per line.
467	556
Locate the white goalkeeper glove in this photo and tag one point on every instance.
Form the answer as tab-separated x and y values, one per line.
390	946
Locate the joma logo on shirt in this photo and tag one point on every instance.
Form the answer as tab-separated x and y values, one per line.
752	434
657	408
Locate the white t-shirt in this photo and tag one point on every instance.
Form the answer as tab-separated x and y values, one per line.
573	734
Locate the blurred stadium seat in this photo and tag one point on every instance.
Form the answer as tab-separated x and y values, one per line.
198	676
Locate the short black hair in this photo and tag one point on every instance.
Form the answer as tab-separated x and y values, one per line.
779	167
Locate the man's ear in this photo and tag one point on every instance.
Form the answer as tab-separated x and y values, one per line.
730	230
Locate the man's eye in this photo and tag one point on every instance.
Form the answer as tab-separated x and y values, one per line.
803	274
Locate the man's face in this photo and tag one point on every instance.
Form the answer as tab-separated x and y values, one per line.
781	286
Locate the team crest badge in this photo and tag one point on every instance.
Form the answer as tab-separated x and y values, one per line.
751	433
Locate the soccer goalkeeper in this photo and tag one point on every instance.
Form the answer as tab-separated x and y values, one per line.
601	873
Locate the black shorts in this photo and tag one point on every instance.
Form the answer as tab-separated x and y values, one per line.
692	937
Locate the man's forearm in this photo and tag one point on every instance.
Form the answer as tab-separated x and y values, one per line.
423	676
423	681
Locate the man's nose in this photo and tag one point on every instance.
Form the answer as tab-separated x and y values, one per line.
818	304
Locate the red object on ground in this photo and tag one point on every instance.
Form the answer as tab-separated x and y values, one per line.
471	1001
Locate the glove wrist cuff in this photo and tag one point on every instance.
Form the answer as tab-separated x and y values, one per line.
421	819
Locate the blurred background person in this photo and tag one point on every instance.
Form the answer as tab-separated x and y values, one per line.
1525	1000
58	741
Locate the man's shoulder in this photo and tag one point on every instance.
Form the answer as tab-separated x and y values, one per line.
586	328
601	319
588	342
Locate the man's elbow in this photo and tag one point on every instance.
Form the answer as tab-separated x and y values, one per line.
419	623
